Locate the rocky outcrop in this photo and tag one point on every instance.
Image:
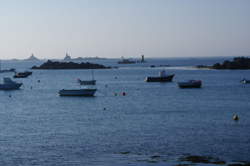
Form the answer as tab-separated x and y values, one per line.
242	63
69	65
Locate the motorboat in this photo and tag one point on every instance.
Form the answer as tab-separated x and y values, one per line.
22	74
245	81
77	92
190	84
8	84
163	77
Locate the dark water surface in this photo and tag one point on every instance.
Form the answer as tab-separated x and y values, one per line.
40	128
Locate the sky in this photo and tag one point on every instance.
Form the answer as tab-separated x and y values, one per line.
128	28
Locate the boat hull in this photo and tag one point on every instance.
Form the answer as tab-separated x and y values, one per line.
78	92
245	81
89	82
10	86
196	84
22	75
160	79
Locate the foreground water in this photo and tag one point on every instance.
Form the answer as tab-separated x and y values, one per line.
40	128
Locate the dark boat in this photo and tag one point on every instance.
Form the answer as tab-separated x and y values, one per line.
8	84
245	81
87	82
22	74
167	78
77	92
190	84
161	78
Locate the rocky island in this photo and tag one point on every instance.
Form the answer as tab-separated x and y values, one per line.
238	63
69	65
242	63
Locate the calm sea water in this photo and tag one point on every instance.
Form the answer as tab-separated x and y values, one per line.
40	128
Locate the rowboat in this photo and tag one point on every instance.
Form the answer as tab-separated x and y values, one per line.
190	84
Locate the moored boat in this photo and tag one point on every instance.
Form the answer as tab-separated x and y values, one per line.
190	84
162	78
22	74
77	92
8	84
87	82
245	81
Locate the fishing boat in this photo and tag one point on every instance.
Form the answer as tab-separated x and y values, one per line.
22	74
77	92
162	78
245	81
8	84
88	82
190	84
126	61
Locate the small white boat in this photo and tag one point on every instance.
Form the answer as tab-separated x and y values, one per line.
77	92
8	84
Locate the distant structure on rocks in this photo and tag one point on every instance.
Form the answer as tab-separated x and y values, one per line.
32	58
67	57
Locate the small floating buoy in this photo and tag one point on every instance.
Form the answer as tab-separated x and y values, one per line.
115	77
236	117
104	108
38	81
9	95
31	87
106	86
123	93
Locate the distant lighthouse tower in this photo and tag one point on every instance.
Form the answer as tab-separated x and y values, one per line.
142	59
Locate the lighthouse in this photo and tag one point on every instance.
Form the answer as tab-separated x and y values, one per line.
142	59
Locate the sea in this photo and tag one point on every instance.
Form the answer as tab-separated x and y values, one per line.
129	122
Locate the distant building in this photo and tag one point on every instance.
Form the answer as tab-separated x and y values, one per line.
32	58
142	59
67	57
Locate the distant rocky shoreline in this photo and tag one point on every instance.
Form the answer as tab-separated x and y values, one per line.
238	63
69	65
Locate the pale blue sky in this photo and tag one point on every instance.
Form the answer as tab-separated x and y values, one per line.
129	28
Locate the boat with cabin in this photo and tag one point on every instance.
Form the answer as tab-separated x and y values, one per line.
8	84
126	61
190	84
163	77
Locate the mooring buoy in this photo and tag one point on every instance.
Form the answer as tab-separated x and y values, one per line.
236	117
